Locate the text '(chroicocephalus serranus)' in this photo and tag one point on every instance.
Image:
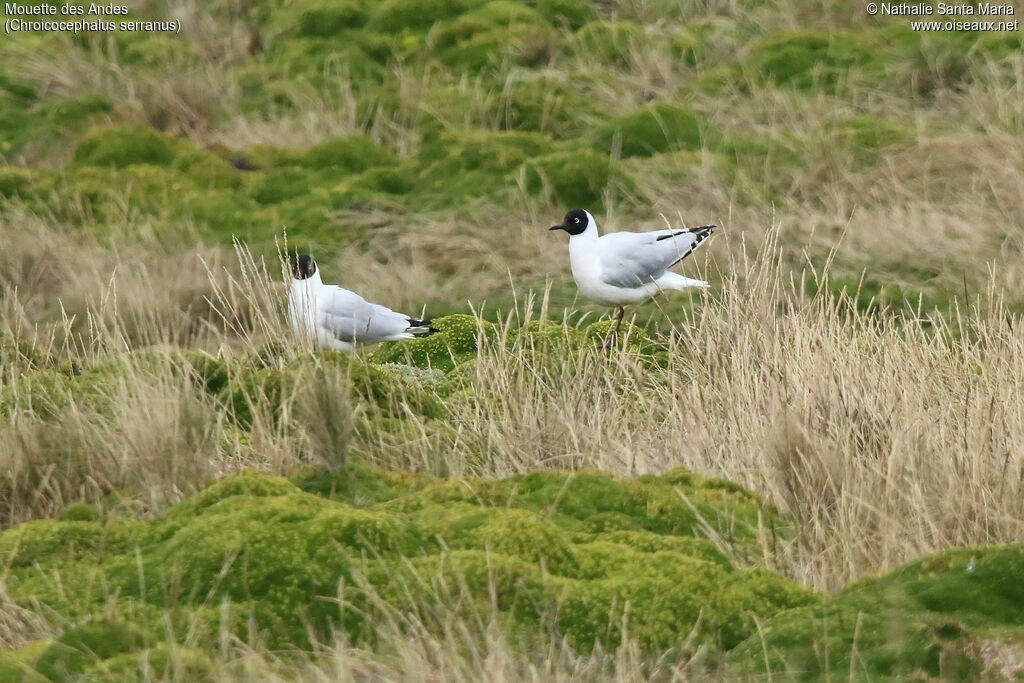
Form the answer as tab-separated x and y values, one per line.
335	318
623	268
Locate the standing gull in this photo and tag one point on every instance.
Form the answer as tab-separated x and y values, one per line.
624	268
335	318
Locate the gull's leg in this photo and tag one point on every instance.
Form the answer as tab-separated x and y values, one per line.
615	333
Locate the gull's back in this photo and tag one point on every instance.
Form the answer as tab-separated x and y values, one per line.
631	259
350	318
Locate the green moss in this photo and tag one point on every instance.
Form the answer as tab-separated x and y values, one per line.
272	547
123	146
648	542
516	584
629	336
980	586
816	60
493	152
876	297
607	42
32	541
250	484
572	178
210	371
544	543
16	182
76	112
655	607
571	13
13	668
79	512
455	341
918	621
396	15
328	19
423	377
208	171
360	486
545	335
689	47
548	105
43	125
393	392
489	34
17	351
651	504
309	383
868	138
524	534
281	184
349	153
165	661
655	128
77	648
390	180
42	392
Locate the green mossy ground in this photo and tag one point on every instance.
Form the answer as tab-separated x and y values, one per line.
584	553
572	550
925	620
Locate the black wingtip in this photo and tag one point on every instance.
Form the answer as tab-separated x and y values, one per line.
702	232
413	323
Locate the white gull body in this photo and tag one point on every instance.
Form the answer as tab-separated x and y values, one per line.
623	268
334	318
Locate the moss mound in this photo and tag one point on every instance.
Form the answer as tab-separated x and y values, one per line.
571	551
655	128
548	105
489	34
573	13
248	386
803	61
125	146
456	341
398	15
868	138
15	181
328	19
607	42
571	178
77	648
928	619
347	153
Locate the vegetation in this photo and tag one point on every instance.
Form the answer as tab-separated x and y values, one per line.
808	471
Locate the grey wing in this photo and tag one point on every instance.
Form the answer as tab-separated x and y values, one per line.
629	259
351	318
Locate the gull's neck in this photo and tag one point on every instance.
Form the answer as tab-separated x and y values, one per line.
302	305
584	259
311	283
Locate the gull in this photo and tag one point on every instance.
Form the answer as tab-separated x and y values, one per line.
623	268
335	318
